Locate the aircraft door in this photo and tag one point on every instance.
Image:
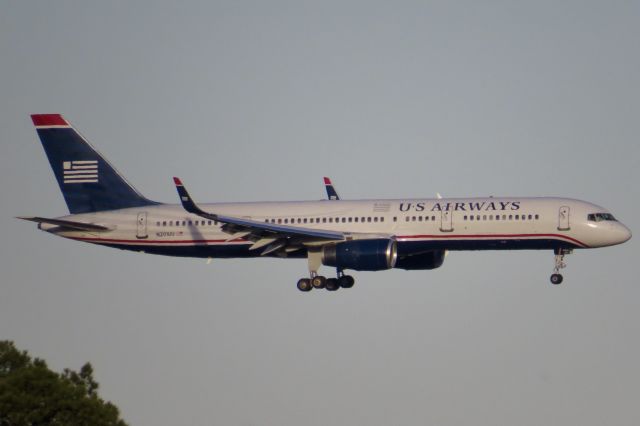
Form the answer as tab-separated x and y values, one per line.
446	221
563	219
141	230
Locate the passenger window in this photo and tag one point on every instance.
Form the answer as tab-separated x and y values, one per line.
433	218
344	220
324	220
279	221
510	217
530	217
407	218
382	219
504	217
419	218
465	217
470	217
395	218
157	223
369	219
490	217
497	217
375	219
356	219
537	217
484	217
350	219
517	217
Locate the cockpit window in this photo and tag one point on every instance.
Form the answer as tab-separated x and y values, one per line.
599	217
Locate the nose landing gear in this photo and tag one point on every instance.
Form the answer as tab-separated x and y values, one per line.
556	277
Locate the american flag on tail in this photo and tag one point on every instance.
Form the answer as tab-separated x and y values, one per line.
84	171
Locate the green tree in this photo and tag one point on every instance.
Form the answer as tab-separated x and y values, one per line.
31	394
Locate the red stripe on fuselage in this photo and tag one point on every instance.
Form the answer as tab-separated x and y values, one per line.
144	241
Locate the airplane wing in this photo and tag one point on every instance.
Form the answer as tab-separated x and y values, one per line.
331	191
76	226
269	235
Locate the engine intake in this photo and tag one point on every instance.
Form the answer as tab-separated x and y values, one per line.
362	255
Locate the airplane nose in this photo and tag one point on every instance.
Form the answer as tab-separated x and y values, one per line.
625	234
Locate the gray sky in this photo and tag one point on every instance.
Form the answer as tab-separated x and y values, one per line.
258	101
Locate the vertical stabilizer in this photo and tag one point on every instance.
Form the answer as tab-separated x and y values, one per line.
87	181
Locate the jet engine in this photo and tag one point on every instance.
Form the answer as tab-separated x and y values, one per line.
362	255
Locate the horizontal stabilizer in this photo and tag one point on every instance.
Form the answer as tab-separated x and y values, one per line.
78	226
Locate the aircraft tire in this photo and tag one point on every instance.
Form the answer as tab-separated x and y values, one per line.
304	285
332	284
556	279
318	281
346	281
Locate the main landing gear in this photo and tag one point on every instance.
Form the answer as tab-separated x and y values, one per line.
556	277
314	256
320	282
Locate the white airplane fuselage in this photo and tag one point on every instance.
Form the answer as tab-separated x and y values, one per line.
421	224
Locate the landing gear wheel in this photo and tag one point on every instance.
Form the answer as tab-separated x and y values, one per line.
304	284
556	279
318	281
332	284
346	281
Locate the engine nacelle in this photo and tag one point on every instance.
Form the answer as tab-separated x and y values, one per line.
362	255
429	260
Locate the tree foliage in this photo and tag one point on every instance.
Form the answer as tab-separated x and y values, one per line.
31	394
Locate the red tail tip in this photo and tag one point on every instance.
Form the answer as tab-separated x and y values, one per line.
177	181
48	120
327	181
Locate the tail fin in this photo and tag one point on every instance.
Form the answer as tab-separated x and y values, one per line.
87	180
331	191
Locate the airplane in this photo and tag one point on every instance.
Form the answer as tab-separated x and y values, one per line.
359	235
